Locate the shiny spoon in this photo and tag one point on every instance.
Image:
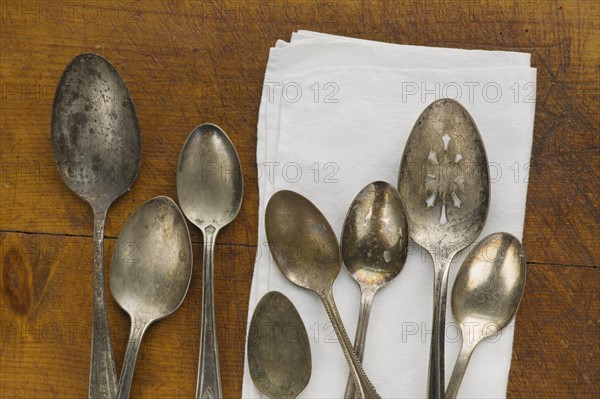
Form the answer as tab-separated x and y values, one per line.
486	295
307	253
278	349
374	246
97	148
210	189
150	272
445	187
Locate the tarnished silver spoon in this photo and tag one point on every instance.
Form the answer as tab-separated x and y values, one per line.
445	187
97	147
279	357
307	253
486	295
210	188
374	247
150	272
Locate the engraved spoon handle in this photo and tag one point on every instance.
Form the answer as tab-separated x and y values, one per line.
103	373
364	385
366	301
208	385
437	382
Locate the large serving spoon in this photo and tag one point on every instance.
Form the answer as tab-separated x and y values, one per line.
97	147
307	253
150	272
210	189
486	295
278	349
445	187
374	247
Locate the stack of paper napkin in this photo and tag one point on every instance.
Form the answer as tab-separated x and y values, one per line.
335	115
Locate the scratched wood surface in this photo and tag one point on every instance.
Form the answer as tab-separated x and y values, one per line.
192	62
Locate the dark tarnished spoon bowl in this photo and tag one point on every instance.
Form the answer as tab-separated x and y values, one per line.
279	357
445	187
97	148
95	132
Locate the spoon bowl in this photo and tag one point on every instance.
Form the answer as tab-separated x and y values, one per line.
210	189
152	263
150	272
307	253
95	131
210	186
302	242
97	147
444	179
279	357
445	187
486	295
375	236
374	248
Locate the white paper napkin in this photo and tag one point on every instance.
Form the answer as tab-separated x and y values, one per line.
348	127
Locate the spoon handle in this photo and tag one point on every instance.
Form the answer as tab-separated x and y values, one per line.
363	384
437	382
459	368
366	301
133	346
208	385
103	374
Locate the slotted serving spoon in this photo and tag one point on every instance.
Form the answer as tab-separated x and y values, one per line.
445	187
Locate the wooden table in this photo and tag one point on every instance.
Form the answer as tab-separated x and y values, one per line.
192	62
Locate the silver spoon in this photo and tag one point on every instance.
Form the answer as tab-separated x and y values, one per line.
97	148
445	187
278	349
374	246
150	272
307	253
486	295
210	189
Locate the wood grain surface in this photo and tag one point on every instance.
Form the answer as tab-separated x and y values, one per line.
197	61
